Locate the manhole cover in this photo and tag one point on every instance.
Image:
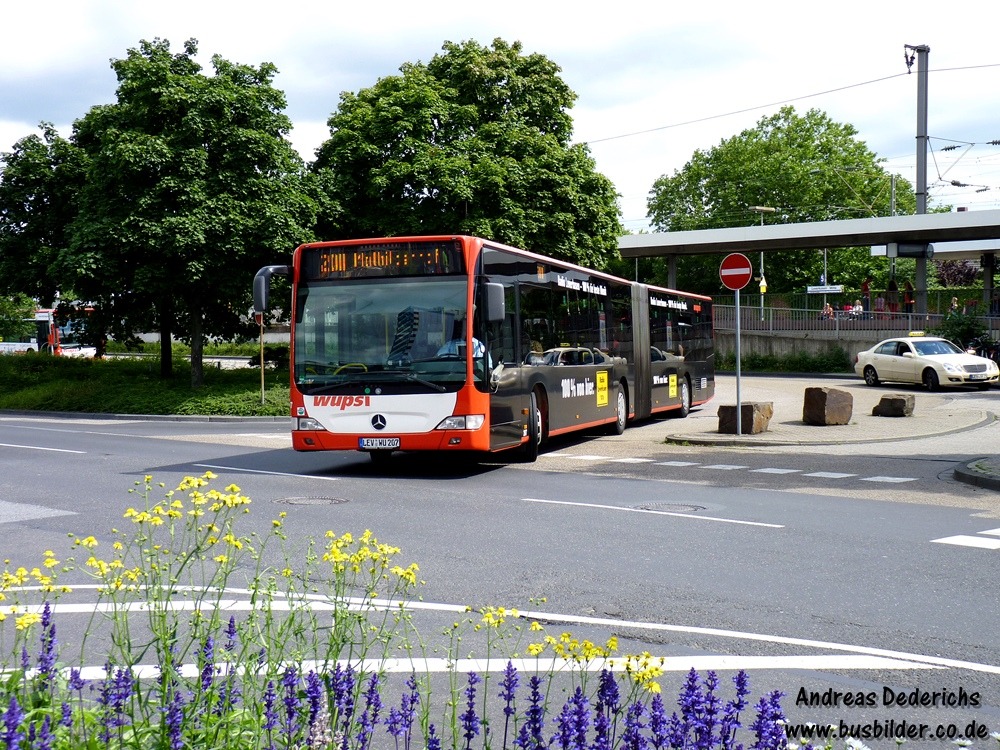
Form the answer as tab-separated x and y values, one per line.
672	507
311	500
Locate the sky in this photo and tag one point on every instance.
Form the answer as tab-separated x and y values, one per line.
655	81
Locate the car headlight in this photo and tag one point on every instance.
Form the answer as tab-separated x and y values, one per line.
462	422
954	369
307	423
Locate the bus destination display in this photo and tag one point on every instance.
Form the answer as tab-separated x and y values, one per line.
383	259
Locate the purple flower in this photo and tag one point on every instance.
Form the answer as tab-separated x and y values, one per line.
632	738
174	720
399	723
314	694
207	664
602	731
508	690
581	718
607	692
231	635
769	732
44	739
731	717
658	724
369	717
433	741
25	658
707	717
47	652
290	683
66	715
531	734
270	714
343	699
75	681
470	720
563	737
12	718
114	696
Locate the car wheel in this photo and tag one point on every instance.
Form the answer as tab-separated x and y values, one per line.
871	377
930	380
621	411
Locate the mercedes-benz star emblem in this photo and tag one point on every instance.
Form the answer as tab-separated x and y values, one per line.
378	422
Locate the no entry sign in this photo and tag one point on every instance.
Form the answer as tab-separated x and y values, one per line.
735	271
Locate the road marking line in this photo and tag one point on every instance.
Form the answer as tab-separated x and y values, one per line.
677	463
891	480
969	541
724	467
700	663
631	460
829	475
260	471
654	512
555	617
775	471
588	457
993	532
39	448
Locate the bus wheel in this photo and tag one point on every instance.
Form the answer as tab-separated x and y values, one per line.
685	400
529	453
621	411
380	458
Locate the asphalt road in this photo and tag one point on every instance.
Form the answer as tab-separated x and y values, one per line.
817	567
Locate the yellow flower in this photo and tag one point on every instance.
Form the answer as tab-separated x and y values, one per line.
209	475
534	649
26	620
536	626
88	541
221	559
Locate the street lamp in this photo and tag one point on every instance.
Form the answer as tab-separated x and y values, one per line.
763	283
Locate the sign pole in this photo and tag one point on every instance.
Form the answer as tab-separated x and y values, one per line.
739	407
735	273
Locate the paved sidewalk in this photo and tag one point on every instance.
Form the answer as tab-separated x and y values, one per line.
934	414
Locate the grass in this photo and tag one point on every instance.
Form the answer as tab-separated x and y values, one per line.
125	386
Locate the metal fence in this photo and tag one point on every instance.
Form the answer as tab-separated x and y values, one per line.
841	325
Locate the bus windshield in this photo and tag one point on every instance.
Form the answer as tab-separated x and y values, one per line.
383	335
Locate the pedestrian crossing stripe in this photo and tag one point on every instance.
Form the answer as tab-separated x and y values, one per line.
736	467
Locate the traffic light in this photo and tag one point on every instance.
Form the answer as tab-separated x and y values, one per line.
909	250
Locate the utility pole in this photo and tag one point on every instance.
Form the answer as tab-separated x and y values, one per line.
921	51
763	282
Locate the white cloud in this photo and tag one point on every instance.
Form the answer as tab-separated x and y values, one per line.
636	67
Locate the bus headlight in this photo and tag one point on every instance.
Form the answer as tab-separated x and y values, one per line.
462	422
307	423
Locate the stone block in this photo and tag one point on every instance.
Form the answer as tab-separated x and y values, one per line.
894	405
755	416
824	406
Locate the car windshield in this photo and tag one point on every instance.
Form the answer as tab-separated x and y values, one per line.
927	348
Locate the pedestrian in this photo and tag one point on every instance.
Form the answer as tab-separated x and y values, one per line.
908	297
892	296
880	306
954	305
866	293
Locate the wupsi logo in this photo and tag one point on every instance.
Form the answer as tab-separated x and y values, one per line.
344	402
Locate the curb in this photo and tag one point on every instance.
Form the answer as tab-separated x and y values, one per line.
140	417
983	472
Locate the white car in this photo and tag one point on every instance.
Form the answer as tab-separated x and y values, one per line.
922	359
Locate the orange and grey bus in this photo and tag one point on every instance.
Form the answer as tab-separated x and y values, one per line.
454	343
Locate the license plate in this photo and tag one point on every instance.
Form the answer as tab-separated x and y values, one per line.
977	376
378	443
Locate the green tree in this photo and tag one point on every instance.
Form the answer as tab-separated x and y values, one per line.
807	167
38	185
15	315
191	185
477	141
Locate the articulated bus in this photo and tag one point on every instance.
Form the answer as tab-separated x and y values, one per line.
462	344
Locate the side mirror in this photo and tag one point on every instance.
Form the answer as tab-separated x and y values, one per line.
911	355
262	287
495	307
